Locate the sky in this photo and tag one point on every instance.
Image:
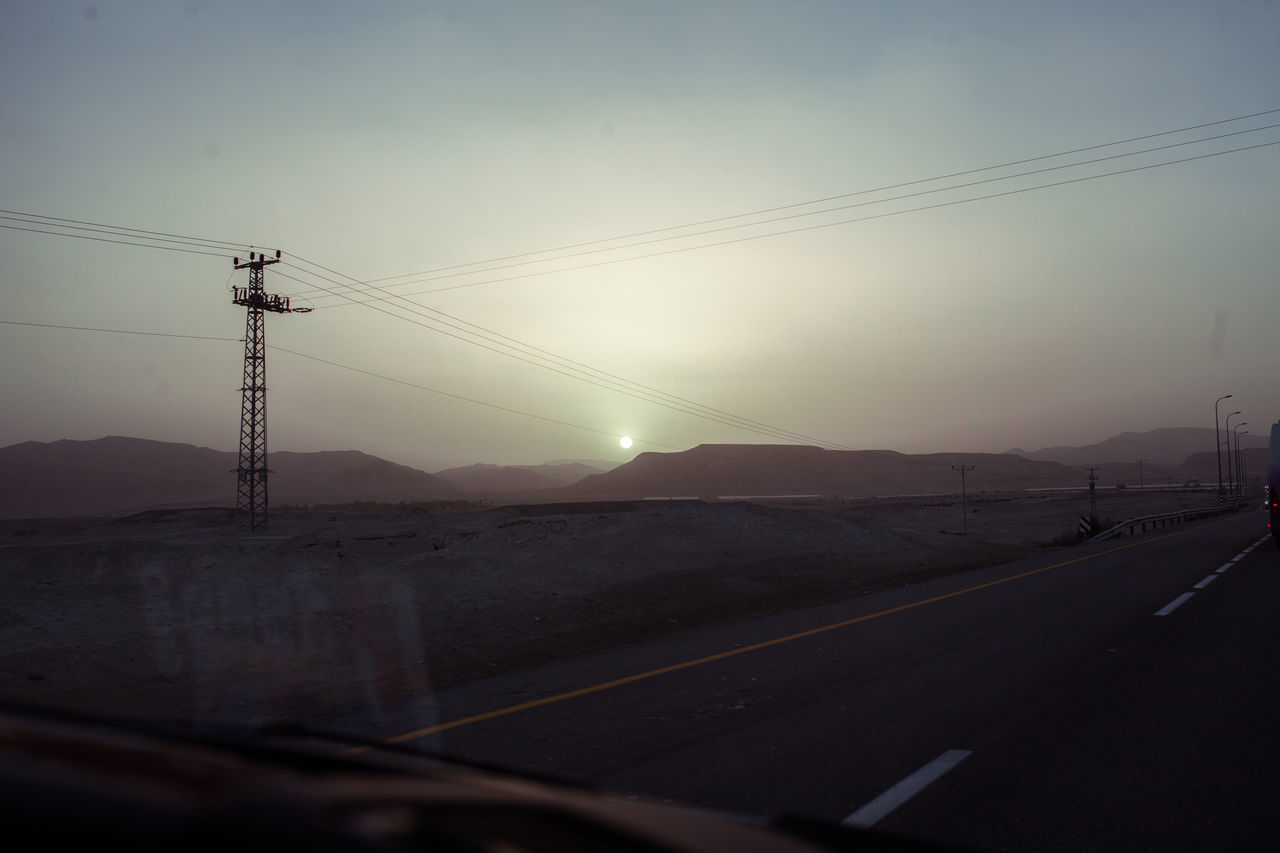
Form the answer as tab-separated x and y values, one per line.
421	164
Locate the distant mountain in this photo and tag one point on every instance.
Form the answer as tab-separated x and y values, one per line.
1166	446
344	476
599	465
489	479
117	475
724	470
501	479
567	473
1203	467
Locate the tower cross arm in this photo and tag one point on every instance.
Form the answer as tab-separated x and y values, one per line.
264	301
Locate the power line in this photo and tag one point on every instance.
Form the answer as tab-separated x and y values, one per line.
122	231
693	450
575	370
189	251
584	372
846	195
809	213
753	426
403	382
119	331
353	369
136	234
432	277
822	225
654	398
336	364
450	394
81	224
580	370
891	198
898	458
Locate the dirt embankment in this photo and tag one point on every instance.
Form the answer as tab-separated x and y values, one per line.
176	615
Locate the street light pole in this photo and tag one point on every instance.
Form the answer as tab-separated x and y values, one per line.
1239	466
1217	442
1227	428
1244	470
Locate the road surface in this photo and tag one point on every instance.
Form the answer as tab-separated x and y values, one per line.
1118	695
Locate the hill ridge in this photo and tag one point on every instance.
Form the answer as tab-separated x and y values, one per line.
119	475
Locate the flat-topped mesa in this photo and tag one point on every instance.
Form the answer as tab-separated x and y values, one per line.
747	470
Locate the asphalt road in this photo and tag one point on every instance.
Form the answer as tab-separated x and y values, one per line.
1113	696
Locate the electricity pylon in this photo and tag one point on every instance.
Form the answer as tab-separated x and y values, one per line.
251	474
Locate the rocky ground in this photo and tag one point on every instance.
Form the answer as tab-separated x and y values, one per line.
178	615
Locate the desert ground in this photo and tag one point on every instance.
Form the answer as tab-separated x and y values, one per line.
177	614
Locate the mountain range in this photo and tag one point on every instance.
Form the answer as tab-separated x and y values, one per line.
118	475
724	470
1165	446
498	479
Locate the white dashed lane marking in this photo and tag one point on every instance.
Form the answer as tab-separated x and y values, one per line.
1174	605
1182	599
882	805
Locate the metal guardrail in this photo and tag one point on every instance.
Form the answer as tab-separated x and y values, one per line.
1165	519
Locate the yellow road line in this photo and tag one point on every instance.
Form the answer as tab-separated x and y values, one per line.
676	667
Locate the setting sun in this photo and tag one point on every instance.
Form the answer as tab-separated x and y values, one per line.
625	441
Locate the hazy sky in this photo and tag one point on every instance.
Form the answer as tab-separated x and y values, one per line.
388	139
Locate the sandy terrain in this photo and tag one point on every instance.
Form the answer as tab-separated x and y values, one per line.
179	616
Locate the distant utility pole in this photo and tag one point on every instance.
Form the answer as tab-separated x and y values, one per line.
1217	438
251	475
964	503
1093	497
1239	469
1239	459
1140	461
1226	428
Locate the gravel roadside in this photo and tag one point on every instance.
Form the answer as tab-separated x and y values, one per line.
175	615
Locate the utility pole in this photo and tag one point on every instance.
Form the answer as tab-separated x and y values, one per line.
1231	485
1140	461
964	503
1218	441
1240	483
1239	466
1244	459
1093	499
251	474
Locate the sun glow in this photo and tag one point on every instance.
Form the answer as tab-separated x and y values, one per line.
625	441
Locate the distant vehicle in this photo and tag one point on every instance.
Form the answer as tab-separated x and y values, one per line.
1273	483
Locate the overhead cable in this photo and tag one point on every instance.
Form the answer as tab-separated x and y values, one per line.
430	275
